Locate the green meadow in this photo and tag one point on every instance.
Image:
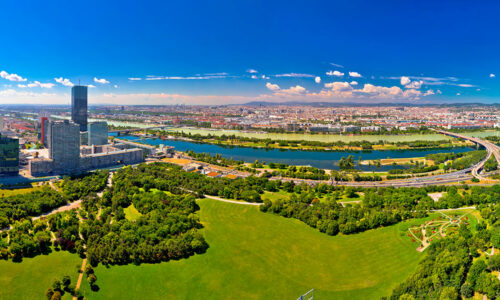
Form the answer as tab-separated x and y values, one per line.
31	278
254	255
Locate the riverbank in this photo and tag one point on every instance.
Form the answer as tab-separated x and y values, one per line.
315	158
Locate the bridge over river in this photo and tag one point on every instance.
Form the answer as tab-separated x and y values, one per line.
489	146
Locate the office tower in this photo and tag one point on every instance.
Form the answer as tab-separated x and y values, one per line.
98	133
9	156
44	122
79	106
64	145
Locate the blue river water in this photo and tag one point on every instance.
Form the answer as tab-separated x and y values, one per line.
318	159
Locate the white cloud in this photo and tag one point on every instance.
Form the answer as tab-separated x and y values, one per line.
492	75
317	79
217	74
294	90
272	87
101	81
115	86
11	77
339	86
134	78
439	92
335	73
465	85
64	81
295	75
354	83
458	94
405	80
336	65
414	84
197	77
345	90
36	84
429	93
29	97
265	77
254	76
91	86
355	74
252	71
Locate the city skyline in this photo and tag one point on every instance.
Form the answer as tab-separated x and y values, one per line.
163	54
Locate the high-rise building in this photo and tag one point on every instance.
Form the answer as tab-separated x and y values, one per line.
98	133
64	145
79	106
9	156
44	122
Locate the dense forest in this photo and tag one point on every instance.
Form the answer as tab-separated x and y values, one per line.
80	186
17	207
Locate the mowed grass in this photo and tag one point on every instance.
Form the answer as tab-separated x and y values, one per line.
255	255
318	137
18	191
131	213
31	278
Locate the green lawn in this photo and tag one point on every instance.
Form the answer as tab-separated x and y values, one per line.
18	191
255	255
31	278
317	137
131	213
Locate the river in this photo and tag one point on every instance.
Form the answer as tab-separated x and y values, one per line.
318	159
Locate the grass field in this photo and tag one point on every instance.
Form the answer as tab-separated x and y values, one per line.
317	137
18	191
131	213
254	255
31	278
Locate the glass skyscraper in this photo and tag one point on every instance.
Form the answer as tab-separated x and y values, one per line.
79	106
98	133
9	156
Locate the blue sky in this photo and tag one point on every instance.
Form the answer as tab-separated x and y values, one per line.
219	52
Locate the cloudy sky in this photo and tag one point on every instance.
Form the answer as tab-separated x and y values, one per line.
220	52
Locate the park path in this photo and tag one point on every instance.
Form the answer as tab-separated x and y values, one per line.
69	206
232	201
80	277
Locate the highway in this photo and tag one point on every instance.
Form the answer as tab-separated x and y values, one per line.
489	146
454	177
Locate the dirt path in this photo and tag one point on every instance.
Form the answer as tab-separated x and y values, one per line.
80	277
232	201
70	206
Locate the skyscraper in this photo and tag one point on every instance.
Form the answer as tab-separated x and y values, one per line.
9	156
64	145
98	133
44	122
79	106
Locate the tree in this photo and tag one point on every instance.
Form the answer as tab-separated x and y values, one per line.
495	262
66	281
56	285
448	293
56	296
89	270
466	290
478	267
92	279
49	293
